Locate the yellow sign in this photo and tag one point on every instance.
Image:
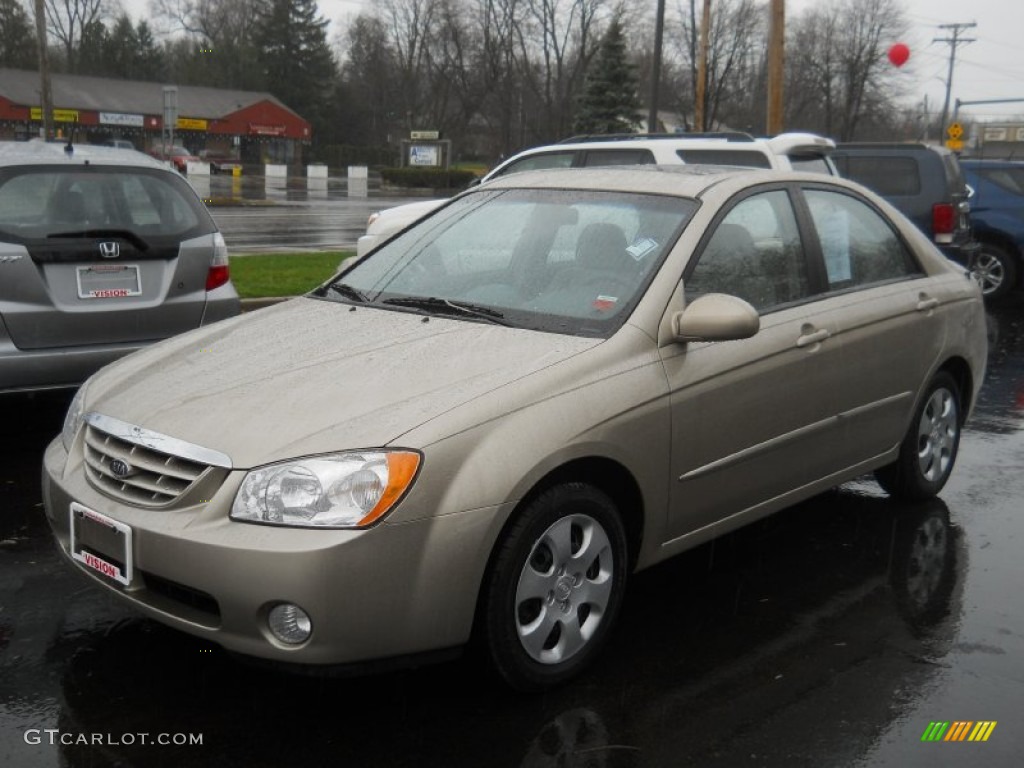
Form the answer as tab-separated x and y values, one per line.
190	124
954	145
955	131
59	115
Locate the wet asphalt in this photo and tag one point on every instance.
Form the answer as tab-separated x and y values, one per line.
831	634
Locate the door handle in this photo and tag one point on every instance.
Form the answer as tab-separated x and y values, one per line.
924	304
813	338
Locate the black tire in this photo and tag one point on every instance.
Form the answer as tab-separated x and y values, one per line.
555	587
928	451
995	270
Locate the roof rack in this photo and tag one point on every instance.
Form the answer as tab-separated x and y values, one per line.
727	135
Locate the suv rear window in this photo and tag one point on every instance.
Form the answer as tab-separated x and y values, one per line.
40	202
1010	179
887	176
743	157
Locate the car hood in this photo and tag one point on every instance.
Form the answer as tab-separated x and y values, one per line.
311	376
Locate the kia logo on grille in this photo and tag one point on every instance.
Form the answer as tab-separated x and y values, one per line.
121	469
110	250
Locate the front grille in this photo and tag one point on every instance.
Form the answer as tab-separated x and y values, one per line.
157	478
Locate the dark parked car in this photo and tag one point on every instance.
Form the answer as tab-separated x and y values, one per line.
925	183
102	251
997	213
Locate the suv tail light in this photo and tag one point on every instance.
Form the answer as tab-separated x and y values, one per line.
943	222
218	274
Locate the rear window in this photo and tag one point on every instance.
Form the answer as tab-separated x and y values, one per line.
41	202
1010	179
743	157
887	175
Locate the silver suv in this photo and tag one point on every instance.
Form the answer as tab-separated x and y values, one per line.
785	152
102	251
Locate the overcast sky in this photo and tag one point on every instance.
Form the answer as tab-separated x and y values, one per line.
989	68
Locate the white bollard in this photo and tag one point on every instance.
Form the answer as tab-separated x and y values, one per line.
358	181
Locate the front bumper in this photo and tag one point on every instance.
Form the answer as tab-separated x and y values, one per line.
392	590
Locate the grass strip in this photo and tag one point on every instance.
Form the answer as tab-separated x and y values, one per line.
283	274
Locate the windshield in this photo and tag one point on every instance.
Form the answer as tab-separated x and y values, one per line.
567	261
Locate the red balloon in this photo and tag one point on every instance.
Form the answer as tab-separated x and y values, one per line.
899	54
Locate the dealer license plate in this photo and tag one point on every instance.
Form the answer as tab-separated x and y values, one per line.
101	544
109	281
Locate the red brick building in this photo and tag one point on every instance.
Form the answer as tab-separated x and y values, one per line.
255	126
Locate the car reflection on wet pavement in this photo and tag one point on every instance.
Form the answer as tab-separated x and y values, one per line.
830	634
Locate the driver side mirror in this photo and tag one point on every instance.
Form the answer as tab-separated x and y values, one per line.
716	317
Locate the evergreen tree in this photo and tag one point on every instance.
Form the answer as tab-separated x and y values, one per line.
609	103
297	62
17	37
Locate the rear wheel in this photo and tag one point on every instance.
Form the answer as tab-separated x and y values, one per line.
995	270
928	450
555	587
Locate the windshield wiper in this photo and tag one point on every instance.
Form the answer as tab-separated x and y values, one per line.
124	234
348	292
446	306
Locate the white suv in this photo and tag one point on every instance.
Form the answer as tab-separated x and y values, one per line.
787	151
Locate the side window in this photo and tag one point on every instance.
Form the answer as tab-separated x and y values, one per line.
748	158
810	164
598	157
859	246
539	162
755	253
888	176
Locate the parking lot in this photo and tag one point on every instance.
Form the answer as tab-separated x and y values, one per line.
821	636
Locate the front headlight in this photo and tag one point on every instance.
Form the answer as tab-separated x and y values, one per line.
344	490
73	419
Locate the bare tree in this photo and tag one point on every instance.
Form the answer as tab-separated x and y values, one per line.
735	53
557	39
838	64
224	28
66	21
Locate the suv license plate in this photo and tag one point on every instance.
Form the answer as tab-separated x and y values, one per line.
101	544
109	281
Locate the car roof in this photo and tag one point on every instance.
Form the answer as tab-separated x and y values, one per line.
38	152
783	143
678	180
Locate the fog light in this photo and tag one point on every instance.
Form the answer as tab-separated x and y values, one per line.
289	623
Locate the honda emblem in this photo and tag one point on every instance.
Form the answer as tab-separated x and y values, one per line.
110	250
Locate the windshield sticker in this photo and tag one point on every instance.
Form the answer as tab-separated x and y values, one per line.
603	303
641	248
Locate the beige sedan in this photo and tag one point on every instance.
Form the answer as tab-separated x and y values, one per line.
480	430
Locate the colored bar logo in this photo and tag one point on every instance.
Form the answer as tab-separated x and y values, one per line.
959	730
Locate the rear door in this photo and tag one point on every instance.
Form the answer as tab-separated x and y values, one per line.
887	315
94	255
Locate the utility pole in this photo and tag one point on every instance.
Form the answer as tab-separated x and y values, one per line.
953	41
659	31
776	66
701	96
45	100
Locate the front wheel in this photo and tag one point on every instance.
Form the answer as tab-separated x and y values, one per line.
995	270
555	587
929	449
